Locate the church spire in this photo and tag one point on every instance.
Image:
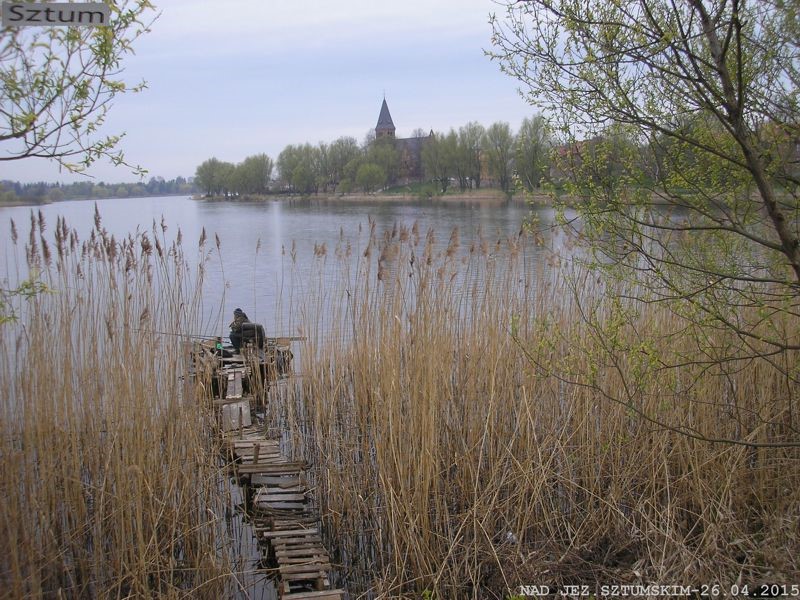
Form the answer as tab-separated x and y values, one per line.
385	127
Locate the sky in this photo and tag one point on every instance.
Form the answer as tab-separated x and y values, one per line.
233	78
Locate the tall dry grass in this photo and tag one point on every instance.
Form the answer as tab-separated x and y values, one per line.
476	424
110	484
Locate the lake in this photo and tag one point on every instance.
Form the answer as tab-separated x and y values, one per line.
254	268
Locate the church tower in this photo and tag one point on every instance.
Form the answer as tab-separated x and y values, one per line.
385	127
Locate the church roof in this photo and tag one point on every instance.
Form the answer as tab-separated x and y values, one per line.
384	119
413	145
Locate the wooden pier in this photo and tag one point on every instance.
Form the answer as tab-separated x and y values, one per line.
280	504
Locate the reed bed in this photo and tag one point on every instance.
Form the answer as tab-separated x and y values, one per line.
110	484
473	429
475	422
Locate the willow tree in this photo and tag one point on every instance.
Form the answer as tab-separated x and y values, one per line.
253	174
498	143
58	84
439	157
679	135
532	152
470	138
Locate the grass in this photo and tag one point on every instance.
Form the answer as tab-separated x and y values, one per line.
416	188
430	189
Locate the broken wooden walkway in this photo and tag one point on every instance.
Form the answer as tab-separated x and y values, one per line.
280	503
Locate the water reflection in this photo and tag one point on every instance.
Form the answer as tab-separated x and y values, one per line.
270	252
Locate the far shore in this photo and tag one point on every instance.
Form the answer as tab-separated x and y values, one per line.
24	202
44	202
482	197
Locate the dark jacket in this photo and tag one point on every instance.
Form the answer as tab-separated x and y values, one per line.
238	318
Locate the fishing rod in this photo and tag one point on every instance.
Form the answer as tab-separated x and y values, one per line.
290	338
189	335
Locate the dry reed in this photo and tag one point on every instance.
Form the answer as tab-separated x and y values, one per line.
463	414
471	424
110	484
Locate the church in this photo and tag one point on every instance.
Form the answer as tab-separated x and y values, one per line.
409	149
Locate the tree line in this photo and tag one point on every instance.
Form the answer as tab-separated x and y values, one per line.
463	157
12	192
466	158
343	165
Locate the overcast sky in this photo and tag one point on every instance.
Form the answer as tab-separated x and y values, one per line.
237	77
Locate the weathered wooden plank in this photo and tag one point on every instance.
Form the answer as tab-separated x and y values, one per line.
271	489
308	545
268	440
301	585
283	505
289	468
311	562
282	522
245	433
251	446
261	457
318	595
236	359
289	526
250	443
286	481
299	516
319	578
303	571
298	509
300	490
265	461
295	522
310	553
304	519
265	495
293	532
311	545
220	402
234	384
295	543
236	415
256	449
300	552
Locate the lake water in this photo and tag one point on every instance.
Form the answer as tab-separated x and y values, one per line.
254	269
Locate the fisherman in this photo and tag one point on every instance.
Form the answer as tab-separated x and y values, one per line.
239	318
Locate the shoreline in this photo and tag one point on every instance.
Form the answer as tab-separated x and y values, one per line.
23	202
478	197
